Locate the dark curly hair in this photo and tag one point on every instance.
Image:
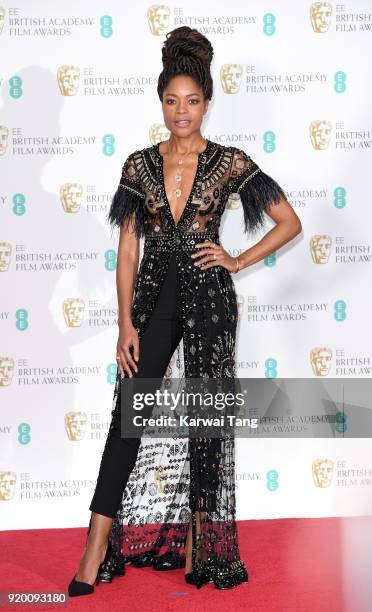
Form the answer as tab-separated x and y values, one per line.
187	52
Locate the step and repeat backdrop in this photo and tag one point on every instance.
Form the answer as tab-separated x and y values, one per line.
77	95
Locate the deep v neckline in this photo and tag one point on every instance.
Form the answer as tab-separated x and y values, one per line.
201	158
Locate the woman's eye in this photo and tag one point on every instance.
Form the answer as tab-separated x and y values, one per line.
193	101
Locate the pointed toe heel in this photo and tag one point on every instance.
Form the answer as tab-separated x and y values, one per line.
169	561
189	578
76	588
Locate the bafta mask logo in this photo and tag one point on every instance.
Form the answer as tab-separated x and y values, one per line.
240	303
320	248
320	16
233	203
7	485
158	18
73	311
6	371
71	197
5	255
321	359
322	470
320	134
68	79
231	77
75	425
158	133
2	18
4	132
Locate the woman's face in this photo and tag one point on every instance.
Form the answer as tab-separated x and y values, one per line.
183	106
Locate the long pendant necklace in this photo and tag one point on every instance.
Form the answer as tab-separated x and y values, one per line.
177	192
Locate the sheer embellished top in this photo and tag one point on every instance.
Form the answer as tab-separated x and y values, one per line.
141	200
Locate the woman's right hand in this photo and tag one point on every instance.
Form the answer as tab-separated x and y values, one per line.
128	337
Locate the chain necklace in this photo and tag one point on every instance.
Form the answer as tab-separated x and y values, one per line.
177	178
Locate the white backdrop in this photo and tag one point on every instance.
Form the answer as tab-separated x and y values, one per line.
78	94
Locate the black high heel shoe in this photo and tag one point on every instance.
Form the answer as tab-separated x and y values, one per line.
77	587
189	578
113	566
142	560
169	561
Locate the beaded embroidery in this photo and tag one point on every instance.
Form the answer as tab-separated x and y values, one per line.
175	480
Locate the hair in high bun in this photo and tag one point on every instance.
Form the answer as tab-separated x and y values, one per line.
187	52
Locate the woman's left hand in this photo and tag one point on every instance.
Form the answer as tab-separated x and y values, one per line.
212	254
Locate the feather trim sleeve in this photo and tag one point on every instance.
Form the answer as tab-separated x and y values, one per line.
257	190
127	204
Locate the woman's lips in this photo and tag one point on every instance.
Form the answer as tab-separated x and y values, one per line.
182	123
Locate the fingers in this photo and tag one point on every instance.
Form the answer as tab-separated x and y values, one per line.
118	363
125	360
136	348
124	367
129	360
206	263
210	255
208	248
213	260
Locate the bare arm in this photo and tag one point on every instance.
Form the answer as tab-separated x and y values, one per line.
259	193
126	273
288	225
127	212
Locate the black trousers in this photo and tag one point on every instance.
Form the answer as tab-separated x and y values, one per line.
157	345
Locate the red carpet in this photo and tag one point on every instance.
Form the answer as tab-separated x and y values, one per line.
299	565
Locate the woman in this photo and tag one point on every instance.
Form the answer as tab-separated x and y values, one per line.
171	503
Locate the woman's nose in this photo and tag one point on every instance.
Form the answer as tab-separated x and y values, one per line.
182	107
